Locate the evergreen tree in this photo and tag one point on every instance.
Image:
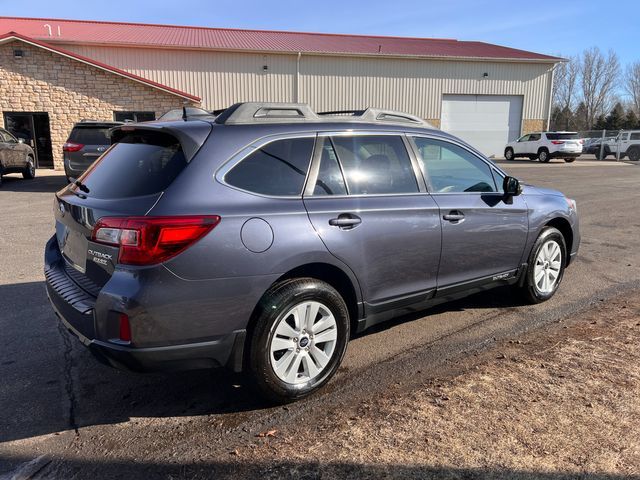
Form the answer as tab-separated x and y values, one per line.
631	120
601	123
580	117
615	119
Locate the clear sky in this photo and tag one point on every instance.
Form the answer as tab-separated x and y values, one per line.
553	27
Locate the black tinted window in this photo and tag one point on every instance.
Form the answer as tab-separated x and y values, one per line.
451	168
90	136
562	136
635	136
376	164
278	168
330	180
134	116
139	164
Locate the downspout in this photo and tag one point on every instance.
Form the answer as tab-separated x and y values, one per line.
550	106
297	97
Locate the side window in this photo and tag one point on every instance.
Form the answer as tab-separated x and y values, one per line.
375	164
278	168
524	138
635	136
451	168
330	179
534	137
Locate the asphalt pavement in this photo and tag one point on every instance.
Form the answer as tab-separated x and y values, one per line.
89	419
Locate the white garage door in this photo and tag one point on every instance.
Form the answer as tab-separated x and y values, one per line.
487	122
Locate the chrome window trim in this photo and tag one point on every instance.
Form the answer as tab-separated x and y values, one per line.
244	152
492	166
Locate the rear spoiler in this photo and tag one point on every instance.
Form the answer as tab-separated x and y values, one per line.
191	134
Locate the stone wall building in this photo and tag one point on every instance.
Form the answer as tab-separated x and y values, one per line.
49	90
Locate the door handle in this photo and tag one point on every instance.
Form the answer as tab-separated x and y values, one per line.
345	221
454	216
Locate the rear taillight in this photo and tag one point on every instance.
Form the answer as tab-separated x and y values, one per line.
151	240
72	147
557	142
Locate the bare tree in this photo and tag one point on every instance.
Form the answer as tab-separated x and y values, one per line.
565	83
632	84
599	77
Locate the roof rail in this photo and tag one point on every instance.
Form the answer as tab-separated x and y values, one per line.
378	115
258	112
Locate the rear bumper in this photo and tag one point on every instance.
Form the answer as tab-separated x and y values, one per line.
561	154
76	310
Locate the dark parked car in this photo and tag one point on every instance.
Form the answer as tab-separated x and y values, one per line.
262	239
15	156
87	141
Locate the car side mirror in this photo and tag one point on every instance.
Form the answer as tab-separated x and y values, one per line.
21	140
511	187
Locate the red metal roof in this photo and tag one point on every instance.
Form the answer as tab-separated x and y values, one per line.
103	66
171	36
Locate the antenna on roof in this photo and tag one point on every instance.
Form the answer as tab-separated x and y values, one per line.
184	111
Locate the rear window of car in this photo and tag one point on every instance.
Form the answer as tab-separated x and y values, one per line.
277	169
90	135
141	163
562	136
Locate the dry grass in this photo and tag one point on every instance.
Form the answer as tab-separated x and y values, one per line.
563	402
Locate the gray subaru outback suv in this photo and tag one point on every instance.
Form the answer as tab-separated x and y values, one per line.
262	238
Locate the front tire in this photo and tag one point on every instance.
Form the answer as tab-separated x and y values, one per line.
299	340
546	266
29	171
508	153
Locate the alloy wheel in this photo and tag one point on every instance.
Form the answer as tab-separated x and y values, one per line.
303	342
547	267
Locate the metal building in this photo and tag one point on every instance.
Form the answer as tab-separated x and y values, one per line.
486	94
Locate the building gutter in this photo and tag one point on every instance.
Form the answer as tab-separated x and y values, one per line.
298	77
550	106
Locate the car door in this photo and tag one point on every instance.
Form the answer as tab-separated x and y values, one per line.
16	151
5	154
368	204
483	233
521	145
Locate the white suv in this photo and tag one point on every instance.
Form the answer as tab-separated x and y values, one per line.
627	142
544	146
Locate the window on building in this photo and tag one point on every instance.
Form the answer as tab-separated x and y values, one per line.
278	168
134	116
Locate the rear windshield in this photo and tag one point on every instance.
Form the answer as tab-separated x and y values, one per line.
562	136
141	163
90	135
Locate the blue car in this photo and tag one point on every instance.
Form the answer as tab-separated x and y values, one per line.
261	239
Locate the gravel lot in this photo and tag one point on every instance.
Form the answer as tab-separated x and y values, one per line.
95	421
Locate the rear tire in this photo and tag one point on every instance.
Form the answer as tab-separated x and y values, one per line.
569	160
634	154
546	265
543	155
286	358
508	153
29	171
604	155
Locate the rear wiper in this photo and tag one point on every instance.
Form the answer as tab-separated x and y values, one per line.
80	185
